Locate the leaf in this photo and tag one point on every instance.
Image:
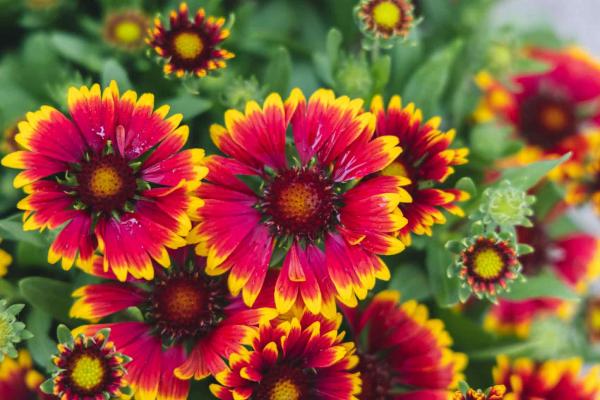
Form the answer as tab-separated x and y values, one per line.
279	71
78	50
405	58
426	86
466	184
189	105
10	229
437	260
467	334
380	70
112	70
489	141
41	347
529	175
48	295
411	282
332	45
542	285
29	255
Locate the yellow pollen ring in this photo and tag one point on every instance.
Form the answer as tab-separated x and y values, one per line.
285	390
105	182
298	201
387	14
554	118
188	45
488	264
88	372
128	32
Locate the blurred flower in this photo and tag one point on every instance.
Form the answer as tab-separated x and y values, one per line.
126	29
516	317
114	175
486	264
583	184
5	260
526	379
11	330
285	208
592	319
426	161
493	393
240	91
184	309
551	110
401	350
506	206
89	367
19	381
385	18
303	358
42	5
8	143
190	46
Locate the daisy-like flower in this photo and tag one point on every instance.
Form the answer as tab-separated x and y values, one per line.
19	380
190	45
404	355
304	358
426	160
305	204
88	367
487	263
113	175
126	29
183	310
385	18
551	380
12	331
551	110
516	317
496	392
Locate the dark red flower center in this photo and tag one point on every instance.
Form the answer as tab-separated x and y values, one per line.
186	304
188	46
547	119
300	203
376	378
87	373
488	261
106	183
283	383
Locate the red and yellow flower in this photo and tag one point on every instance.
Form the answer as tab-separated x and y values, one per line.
592	320
496	392
526	379
304	358
405	355
583	183
551	111
426	161
19	380
306	204
126	29
190	45
183	309
386	18
113	174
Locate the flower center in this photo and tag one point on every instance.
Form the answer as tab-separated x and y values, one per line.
488	263
188	45
376	378
187	304
546	120
106	183
283	383
299	202
88	372
387	14
128	32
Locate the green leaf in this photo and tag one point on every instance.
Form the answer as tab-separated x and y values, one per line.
489	141
380	70
41	347
542	285
529	175
279	71
64	335
49	295
11	229
189	105
112	70
426	86
29	255
78	50
332	45
466	184
411	282
437	260
406	56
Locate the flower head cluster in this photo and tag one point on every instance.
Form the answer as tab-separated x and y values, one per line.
190	46
385	19
88	367
12	331
496	392
505	205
